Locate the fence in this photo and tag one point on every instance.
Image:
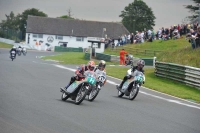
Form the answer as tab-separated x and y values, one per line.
185	74
143	52
67	49
11	34
114	58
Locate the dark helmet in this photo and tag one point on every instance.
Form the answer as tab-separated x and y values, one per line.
102	64
141	63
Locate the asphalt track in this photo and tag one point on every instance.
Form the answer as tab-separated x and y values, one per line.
30	103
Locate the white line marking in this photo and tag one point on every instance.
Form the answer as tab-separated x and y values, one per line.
65	68
111	82
168	100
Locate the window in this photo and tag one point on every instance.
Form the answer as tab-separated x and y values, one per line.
37	35
34	35
80	39
59	37
40	35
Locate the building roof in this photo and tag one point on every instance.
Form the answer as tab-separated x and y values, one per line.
70	27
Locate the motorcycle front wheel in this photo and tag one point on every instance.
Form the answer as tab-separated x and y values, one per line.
134	92
64	97
81	95
93	94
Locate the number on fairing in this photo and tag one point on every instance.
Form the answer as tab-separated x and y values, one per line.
101	78
91	80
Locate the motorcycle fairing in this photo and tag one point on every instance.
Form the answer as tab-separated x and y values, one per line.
126	84
74	86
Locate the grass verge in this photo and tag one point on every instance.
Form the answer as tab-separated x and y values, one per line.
156	83
5	45
73	58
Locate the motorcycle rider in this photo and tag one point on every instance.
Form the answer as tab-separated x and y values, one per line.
139	67
13	49
80	72
101	67
129	59
23	49
19	49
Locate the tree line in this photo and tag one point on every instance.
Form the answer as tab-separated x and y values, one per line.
137	16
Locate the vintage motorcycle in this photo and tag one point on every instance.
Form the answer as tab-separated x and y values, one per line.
78	90
129	59
24	51
94	90
12	55
19	51
131	86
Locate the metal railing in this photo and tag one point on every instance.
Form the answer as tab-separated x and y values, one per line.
185	74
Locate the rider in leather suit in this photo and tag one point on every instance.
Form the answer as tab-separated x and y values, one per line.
139	67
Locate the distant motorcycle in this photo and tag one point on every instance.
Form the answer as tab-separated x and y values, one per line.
129	59
12	55
94	90
131	86
19	51
78	90
24	51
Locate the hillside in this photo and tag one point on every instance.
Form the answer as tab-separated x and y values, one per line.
173	51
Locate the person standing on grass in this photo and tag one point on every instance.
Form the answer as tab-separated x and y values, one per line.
122	53
197	36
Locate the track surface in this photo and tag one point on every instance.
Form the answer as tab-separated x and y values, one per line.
30	103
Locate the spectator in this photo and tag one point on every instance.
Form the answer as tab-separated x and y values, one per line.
119	41
132	38
191	37
197	37
128	38
176	34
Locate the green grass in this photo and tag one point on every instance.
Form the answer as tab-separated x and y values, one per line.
173	51
184	56
73	58
5	45
156	45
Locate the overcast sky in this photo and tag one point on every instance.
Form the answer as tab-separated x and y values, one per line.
167	12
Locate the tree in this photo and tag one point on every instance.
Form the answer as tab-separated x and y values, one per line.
24	16
194	10
10	22
137	16
66	16
18	22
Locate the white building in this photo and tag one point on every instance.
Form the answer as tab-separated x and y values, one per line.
44	31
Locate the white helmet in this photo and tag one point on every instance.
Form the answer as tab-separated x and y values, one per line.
14	47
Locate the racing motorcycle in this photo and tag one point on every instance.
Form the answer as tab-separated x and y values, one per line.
24	51
12	55
94	90
19	51
78	90
129	59
131	86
